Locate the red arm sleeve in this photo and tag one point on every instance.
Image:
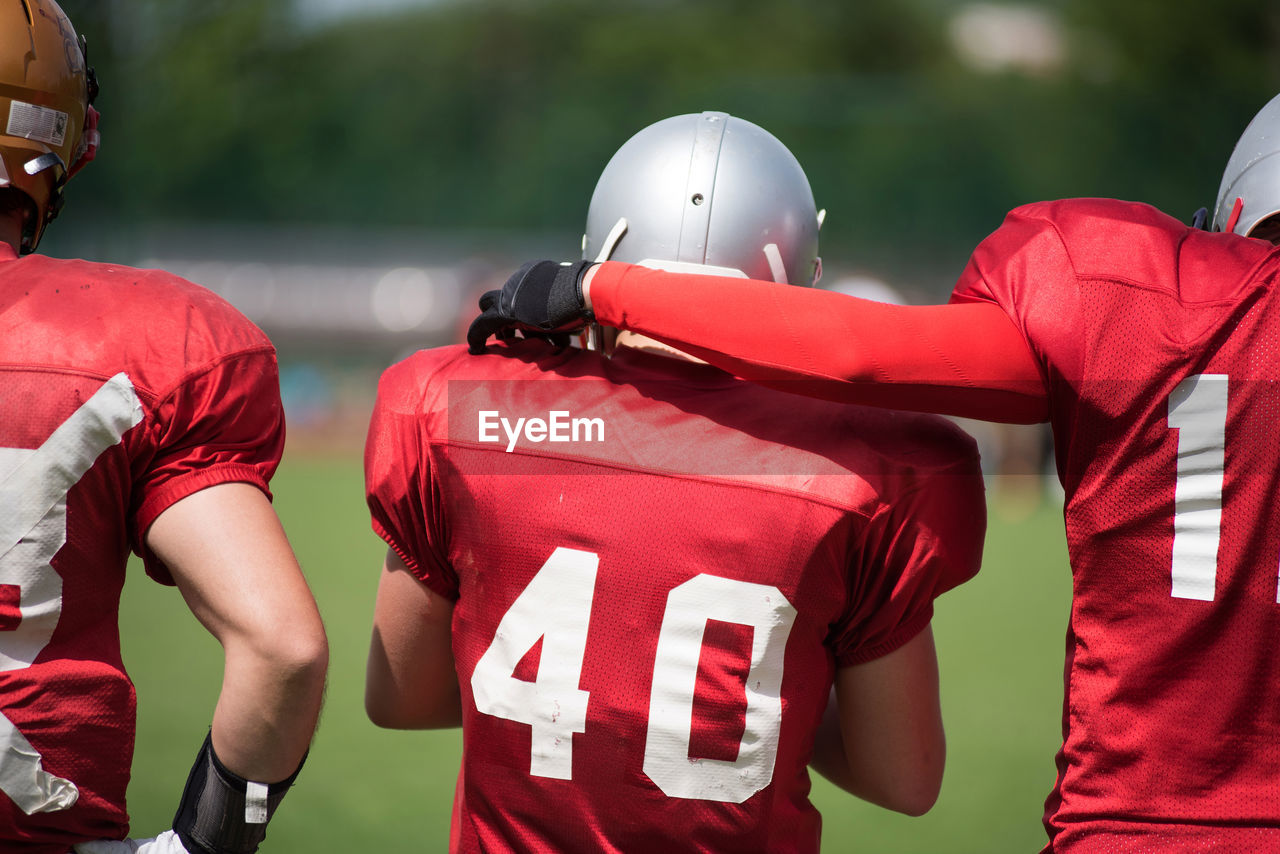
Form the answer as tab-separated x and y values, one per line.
967	360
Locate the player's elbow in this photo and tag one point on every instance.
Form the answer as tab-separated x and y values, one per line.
382	713
384	709
388	715
906	780
296	659
390	710
917	798
914	789
307	659
303	666
410	679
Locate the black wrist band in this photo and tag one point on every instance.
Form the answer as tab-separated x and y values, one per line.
564	304
223	813
584	267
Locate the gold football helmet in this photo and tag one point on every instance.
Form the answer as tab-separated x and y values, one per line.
48	130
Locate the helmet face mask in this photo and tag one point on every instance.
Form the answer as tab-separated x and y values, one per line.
47	128
1268	229
706	193
1250	190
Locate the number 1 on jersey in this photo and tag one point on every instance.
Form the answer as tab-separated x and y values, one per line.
1198	411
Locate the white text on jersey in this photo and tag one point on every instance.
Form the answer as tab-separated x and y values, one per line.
558	426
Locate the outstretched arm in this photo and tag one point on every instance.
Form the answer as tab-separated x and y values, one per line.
967	360
961	359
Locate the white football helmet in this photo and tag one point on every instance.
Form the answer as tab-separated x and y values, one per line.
1250	191
706	193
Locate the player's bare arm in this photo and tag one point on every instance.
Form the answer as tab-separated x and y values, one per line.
881	737
233	564
236	571
411	682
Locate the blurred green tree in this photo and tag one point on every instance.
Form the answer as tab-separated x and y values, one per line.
498	114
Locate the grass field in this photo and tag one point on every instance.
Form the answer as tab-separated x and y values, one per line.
1000	641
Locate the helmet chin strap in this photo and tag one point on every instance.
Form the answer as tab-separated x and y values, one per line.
597	339
611	241
776	268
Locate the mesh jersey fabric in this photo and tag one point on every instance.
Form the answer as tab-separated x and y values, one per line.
1159	348
731	535
125	391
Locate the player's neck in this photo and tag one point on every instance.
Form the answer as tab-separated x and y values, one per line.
11	232
642	342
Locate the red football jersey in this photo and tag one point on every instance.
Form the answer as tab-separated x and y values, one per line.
657	569
1159	348
124	391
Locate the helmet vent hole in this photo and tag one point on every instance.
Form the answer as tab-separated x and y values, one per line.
697	198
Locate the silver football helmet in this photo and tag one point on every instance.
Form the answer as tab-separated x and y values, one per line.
1252	177
706	193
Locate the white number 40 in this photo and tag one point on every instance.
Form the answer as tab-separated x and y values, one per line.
556	608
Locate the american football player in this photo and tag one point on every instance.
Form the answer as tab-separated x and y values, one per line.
141	413
639	623
1151	348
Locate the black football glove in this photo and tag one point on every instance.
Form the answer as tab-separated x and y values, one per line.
542	298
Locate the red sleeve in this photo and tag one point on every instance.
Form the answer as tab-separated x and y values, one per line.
222	424
926	539
400	486
963	360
